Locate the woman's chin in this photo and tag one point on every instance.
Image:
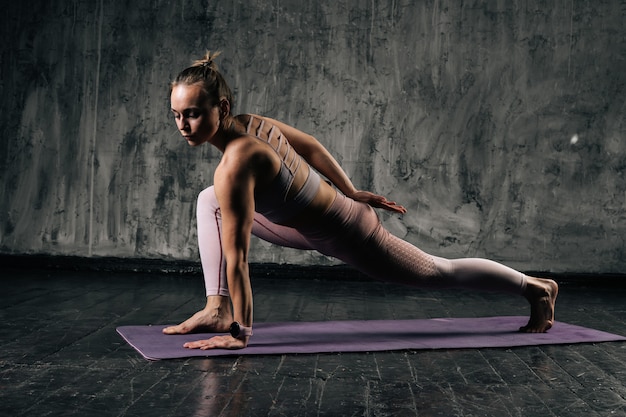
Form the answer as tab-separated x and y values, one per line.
192	141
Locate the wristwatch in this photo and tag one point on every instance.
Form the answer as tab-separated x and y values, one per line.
238	331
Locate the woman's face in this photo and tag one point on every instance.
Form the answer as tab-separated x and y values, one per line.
197	120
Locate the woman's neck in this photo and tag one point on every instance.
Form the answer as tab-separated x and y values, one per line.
230	129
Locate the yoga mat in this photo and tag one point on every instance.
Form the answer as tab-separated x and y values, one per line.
366	336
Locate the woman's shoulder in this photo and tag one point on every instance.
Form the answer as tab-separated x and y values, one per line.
243	118
247	157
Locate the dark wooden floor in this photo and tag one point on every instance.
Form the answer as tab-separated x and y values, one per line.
61	355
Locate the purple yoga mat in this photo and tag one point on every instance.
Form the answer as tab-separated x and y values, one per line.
366	336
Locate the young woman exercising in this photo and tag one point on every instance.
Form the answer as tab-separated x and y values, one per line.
265	185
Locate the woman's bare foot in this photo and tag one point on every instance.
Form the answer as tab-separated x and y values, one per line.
541	294
216	317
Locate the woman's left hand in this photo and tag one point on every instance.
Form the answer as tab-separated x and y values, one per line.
377	201
218	342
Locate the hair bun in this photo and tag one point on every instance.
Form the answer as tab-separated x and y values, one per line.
207	61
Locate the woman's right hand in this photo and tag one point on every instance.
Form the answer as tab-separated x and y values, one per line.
218	342
377	201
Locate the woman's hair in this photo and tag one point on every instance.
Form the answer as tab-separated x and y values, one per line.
204	72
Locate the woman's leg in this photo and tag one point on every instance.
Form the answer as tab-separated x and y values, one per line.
209	220
366	245
279	235
217	314
414	267
417	268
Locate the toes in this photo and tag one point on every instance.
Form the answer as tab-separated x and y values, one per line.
530	328
527	329
178	329
170	330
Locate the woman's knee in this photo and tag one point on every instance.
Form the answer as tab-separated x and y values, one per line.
207	199
445	267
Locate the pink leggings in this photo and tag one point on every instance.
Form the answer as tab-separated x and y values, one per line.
351	231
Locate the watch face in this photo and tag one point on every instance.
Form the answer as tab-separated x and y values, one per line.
235	329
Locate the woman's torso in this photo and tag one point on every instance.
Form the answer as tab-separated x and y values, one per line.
293	193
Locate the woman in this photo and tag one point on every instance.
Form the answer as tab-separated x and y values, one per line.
265	185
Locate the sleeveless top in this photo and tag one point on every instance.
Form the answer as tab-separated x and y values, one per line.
272	200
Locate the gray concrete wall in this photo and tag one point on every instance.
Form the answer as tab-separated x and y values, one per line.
462	111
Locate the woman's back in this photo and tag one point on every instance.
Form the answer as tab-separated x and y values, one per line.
295	185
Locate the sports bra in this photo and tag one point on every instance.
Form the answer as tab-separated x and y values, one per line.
272	200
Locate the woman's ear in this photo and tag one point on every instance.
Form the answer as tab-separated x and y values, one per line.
224	108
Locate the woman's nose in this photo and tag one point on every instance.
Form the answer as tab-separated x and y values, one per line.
182	124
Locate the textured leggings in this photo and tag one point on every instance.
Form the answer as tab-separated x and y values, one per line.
351	231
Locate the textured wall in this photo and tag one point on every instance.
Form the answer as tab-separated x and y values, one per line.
462	111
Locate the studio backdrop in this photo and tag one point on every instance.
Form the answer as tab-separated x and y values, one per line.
498	124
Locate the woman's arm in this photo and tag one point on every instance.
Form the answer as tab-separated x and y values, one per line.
319	158
234	183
